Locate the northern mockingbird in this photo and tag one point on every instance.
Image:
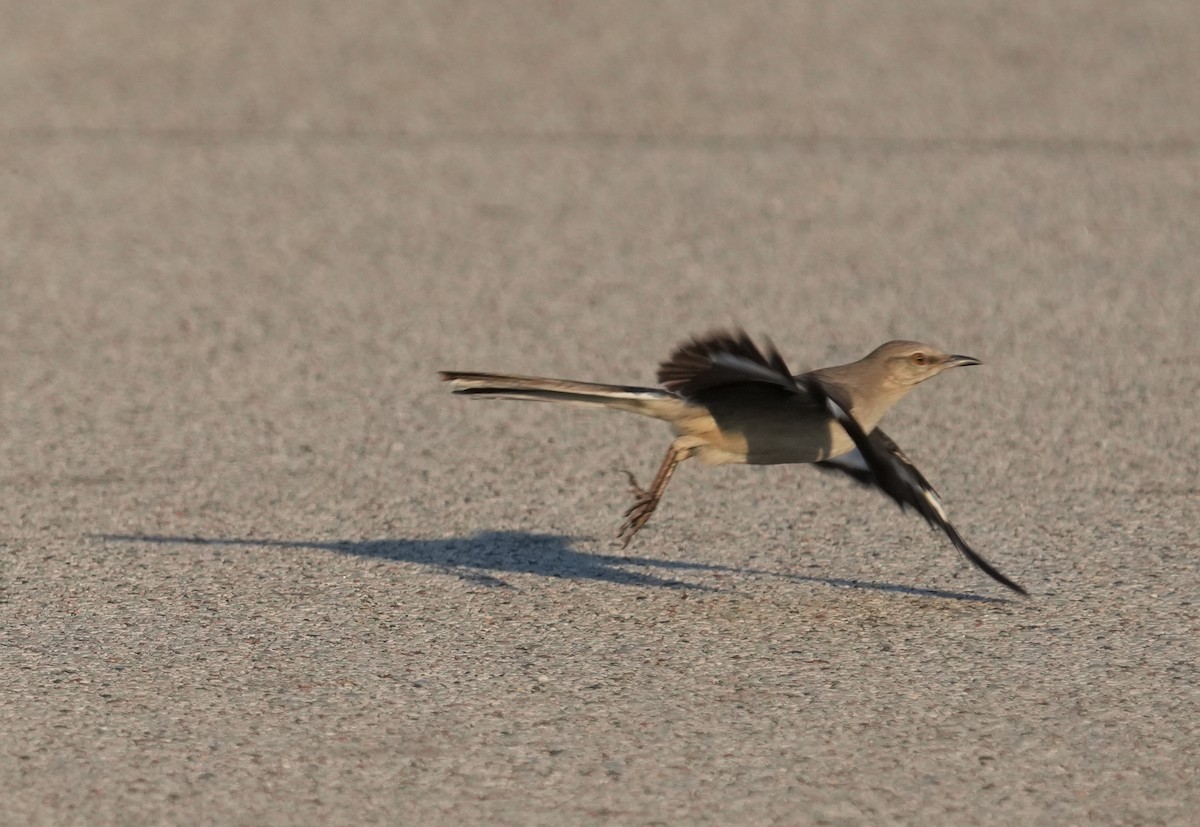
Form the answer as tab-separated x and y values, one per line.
730	402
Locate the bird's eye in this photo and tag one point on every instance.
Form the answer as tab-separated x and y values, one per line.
919	358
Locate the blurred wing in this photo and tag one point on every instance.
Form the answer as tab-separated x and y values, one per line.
878	461
722	359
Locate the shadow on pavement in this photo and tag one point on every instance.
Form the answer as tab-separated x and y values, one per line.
484	556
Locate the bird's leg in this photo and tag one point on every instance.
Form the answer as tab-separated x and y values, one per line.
645	501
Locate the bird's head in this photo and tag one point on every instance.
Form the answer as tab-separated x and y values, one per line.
911	363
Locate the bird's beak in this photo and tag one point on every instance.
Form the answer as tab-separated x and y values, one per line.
960	361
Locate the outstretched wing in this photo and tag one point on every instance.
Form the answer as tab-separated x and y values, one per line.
721	359
879	462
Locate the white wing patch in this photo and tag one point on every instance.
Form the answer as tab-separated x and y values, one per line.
932	499
751	368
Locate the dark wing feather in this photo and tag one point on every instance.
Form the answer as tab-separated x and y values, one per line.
855	464
886	467
721	359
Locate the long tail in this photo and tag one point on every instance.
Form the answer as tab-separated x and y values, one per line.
645	401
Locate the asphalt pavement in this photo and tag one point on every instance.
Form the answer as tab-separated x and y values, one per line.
257	567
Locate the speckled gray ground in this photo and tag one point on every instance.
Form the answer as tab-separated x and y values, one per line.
259	568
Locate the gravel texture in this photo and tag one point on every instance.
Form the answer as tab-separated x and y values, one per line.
257	567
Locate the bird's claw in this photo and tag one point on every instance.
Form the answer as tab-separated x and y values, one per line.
638	514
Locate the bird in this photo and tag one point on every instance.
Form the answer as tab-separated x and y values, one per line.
730	401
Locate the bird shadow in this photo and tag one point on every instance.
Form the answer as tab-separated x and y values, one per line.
485	557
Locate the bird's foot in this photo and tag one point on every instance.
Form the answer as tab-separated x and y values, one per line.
638	514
